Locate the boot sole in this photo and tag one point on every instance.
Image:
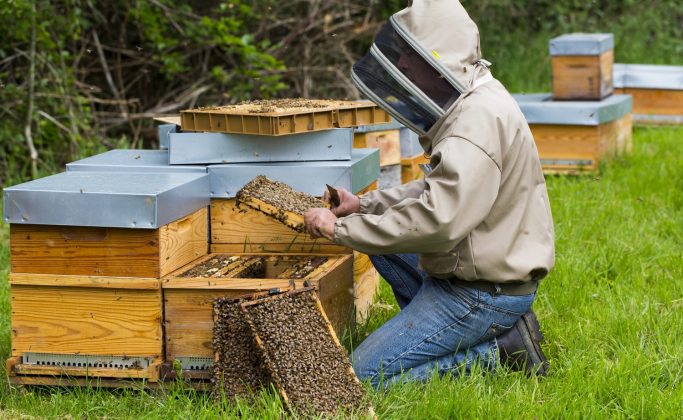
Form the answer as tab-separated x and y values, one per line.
532	337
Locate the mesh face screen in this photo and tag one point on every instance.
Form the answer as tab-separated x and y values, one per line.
415	68
402	104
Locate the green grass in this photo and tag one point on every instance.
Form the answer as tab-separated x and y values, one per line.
611	310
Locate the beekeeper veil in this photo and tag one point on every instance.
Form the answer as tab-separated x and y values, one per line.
422	60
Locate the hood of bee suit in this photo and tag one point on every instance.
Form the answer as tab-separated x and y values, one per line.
422	61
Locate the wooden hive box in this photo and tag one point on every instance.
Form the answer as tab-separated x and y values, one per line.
77	326
188	319
582	66
386	141
108	222
573	137
281	117
657	92
101	251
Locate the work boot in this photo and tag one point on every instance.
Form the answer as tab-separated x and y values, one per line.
520	347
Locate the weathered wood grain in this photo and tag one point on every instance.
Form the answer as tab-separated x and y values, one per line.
90	251
582	77
85	320
655	101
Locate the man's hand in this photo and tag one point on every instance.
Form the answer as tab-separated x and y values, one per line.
348	203
319	223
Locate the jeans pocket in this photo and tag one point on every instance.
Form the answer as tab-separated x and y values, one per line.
494	330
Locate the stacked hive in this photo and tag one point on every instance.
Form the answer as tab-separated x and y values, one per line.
581	122
88	252
657	91
110	276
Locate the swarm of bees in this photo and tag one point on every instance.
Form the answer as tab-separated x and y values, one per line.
297	347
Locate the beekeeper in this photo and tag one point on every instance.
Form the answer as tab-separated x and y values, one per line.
465	248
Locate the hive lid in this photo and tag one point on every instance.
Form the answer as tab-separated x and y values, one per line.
581	44
106	199
192	148
539	108
308	177
648	76
127	160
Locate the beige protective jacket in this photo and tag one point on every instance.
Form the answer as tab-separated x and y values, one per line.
483	212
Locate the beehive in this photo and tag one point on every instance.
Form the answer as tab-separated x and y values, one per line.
100	251
582	66
573	137
107	327
187	300
657	91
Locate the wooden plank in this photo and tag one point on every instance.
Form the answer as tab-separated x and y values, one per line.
335	291
75	320
10	363
563	142
44	249
188	320
116	252
582	77
365	285
66	381
17	279
150	373
243	225
388	142
655	101
410	168
301	248
183	241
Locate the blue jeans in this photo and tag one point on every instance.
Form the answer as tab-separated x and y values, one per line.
441	327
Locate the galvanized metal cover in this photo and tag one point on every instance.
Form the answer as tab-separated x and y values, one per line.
164	131
410	143
648	76
392	125
539	108
205	148
127	160
308	177
106	199
581	44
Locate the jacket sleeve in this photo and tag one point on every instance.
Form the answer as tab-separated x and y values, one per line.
458	195
378	201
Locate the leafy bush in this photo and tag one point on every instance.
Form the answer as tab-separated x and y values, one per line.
78	76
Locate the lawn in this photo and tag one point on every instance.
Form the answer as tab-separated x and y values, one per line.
611	310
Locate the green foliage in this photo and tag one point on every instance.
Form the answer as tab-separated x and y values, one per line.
102	69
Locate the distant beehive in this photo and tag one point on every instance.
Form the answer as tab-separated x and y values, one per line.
582	66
